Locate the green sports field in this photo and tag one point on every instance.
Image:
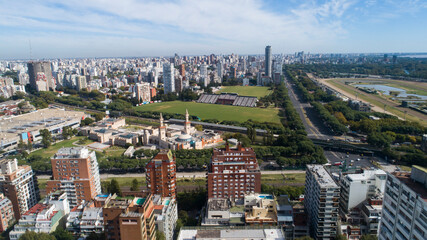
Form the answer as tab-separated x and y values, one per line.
246	90
215	111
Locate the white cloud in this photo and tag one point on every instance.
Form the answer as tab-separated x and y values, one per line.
188	26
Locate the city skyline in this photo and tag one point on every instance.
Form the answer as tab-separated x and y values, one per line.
151	28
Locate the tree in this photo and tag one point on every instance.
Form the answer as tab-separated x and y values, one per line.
46	138
95	236
340	237
67	132
99	116
199	127
30	235
160	235
135	185
61	234
369	237
115	187
304	238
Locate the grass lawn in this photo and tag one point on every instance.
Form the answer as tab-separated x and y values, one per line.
215	111
278	178
252	91
50	151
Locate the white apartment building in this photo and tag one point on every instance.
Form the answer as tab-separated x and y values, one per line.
166	215
42	217
85	219
168	77
404	214
356	188
321	202
141	91
19	185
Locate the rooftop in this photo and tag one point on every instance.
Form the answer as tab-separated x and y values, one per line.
218	204
322	176
234	233
71	153
417	187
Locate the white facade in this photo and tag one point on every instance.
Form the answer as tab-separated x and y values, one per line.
321	202
142	92
166	217
168	77
85	219
204	75
42	217
356	188
404	214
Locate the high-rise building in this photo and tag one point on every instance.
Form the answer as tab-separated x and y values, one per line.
182	70
126	218
168	77
75	171
233	173
356	188
40	67
161	174
268	61
220	70
204	79
142	92
321	202
7	216
404	213
81	82
19	185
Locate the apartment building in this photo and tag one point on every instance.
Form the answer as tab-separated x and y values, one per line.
19	185
166	215
7	216
356	188
75	171
404	213
321	202
260	209
43	217
85	219
233	173
161	174
129	218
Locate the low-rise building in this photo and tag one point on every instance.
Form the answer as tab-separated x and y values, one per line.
233	233
260	209
223	212
285	218
85	219
43	217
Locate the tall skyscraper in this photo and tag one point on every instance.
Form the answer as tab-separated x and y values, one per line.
233	173
404	214
321	202
168	77
40	67
204	74
75	171
161	174
220	70
19	185
268	61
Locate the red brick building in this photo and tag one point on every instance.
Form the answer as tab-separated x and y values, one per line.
75	171
233	173
161	174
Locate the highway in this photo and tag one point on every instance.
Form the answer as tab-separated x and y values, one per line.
307	116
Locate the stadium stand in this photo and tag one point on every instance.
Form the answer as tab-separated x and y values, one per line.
228	99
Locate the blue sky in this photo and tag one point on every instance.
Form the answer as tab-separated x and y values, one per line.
101	28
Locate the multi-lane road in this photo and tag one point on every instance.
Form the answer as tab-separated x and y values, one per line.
311	123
